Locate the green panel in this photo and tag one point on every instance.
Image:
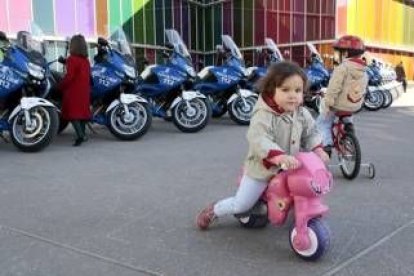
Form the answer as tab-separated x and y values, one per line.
200	29
248	22
237	22
193	26
217	25
139	57
138	7
149	23
43	15
115	19
209	28
126	19
159	22
209	60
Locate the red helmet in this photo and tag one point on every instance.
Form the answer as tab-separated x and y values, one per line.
349	42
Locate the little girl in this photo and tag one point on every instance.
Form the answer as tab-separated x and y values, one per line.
75	88
280	127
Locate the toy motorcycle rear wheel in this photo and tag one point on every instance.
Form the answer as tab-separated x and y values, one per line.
320	239
255	217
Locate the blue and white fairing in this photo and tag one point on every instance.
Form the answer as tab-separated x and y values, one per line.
317	73
23	64
118	67
272	56
160	79
226	76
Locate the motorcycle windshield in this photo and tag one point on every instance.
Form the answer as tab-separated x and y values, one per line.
313	50
119	42
271	45
32	40
229	45
179	47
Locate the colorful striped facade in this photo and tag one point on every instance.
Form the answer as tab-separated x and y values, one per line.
387	26
201	23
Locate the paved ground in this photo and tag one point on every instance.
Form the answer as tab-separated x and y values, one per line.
116	208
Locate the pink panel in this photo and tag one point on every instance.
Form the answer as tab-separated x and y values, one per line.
20	15
3	16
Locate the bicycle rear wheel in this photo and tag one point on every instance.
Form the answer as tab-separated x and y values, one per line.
349	154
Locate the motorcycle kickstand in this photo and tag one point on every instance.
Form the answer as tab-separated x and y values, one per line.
5	138
89	125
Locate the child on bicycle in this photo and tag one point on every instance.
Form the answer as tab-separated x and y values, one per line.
280	127
346	88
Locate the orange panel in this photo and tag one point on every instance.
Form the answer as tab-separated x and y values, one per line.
102	17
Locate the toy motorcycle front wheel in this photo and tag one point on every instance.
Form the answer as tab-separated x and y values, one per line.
319	240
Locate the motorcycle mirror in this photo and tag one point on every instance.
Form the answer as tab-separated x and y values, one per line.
102	41
165	55
219	48
169	46
62	60
3	37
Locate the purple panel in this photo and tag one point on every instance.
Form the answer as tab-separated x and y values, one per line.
20	15
227	18
65	17
185	25
3	16
260	21
177	15
298	28
85	17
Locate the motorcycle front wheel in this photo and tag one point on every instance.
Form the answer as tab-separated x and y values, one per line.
191	116
129	126
39	133
241	110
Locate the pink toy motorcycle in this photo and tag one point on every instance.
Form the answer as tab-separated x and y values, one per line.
301	189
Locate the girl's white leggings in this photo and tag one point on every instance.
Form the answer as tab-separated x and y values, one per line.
246	196
324	124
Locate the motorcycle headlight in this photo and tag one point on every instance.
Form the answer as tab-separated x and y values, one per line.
191	71
129	71
244	72
250	71
36	71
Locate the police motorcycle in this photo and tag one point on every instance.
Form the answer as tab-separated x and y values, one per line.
168	88
318	77
270	54
113	100
374	98
226	85
31	120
